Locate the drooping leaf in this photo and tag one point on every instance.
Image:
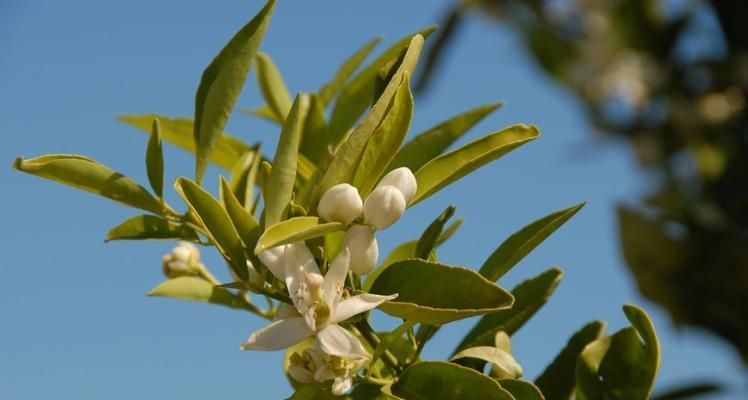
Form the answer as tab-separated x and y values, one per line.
154	160
438	380
87	174
433	142
557	381
349	66
221	83
501	359
521	389
192	288
216	222
295	230
273	87
143	227
529	296
178	131
522	242
452	293
245	224
283	174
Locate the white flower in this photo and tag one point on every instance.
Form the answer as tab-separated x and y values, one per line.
384	206
315	365
403	179
363	248
318	303
340	203
183	260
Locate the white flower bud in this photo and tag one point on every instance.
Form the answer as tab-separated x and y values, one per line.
183	260
340	203
363	248
384	206
404	180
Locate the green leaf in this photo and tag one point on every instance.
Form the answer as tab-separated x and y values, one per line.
283	174
192	288
295	230
529	296
273	88
343	166
314	141
178	131
557	381
623	365
216	222
349	66
522	242
221	84
385	140
154	160
359	92
244	177
87	174
245	224
521	390
430	236
449	167
452	293
388	340
264	112
439	380
433	142
501	359
690	391
143	227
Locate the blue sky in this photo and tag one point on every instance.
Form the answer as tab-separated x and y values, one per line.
76	322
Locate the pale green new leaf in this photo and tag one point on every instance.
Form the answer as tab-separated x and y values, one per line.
452	293
245	224
144	227
273	87
216	221
295	230
179	132
439	380
221	84
154	160
87	174
522	242
192	288
449	167
500	358
433	142
349	66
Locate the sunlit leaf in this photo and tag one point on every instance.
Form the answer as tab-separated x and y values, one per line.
295	230
192	288
245	224
273	87
154	160
438	380
521	390
143	227
499	358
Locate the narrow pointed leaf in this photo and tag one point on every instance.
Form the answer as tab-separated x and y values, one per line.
314	141
433	142
501	359
439	380
244	177
522	242
87	174
144	227
192	288
154	160
349	66
245	224
264	112
273	87
221	83
449	167
521	389
430	236
295	230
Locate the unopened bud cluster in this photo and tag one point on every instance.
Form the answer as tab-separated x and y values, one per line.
183	260
382	208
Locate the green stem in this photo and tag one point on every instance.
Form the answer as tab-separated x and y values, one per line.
368	333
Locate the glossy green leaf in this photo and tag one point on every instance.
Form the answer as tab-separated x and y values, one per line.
449	167
221	84
349	66
500	358
433	142
87	174
283	174
192	288
295	230
557	381
245	224
522	242
179	132
385	140
452	293
273	87
216	222
521	390
358	92
438	380
143	227
529	296
430	236
154	160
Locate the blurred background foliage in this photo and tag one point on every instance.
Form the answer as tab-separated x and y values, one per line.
670	78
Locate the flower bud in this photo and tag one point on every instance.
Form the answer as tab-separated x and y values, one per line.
404	180
384	206
363	248
183	260
340	203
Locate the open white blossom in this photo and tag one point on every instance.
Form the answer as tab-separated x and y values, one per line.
314	365
183	260
318	302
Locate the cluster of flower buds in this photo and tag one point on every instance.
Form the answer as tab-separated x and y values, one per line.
313	365
183	260
382	208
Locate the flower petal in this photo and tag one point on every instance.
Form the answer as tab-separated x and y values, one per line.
324	373
358	304
336	341
298	260
273	259
301	375
286	311
341	385
335	278
278	335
